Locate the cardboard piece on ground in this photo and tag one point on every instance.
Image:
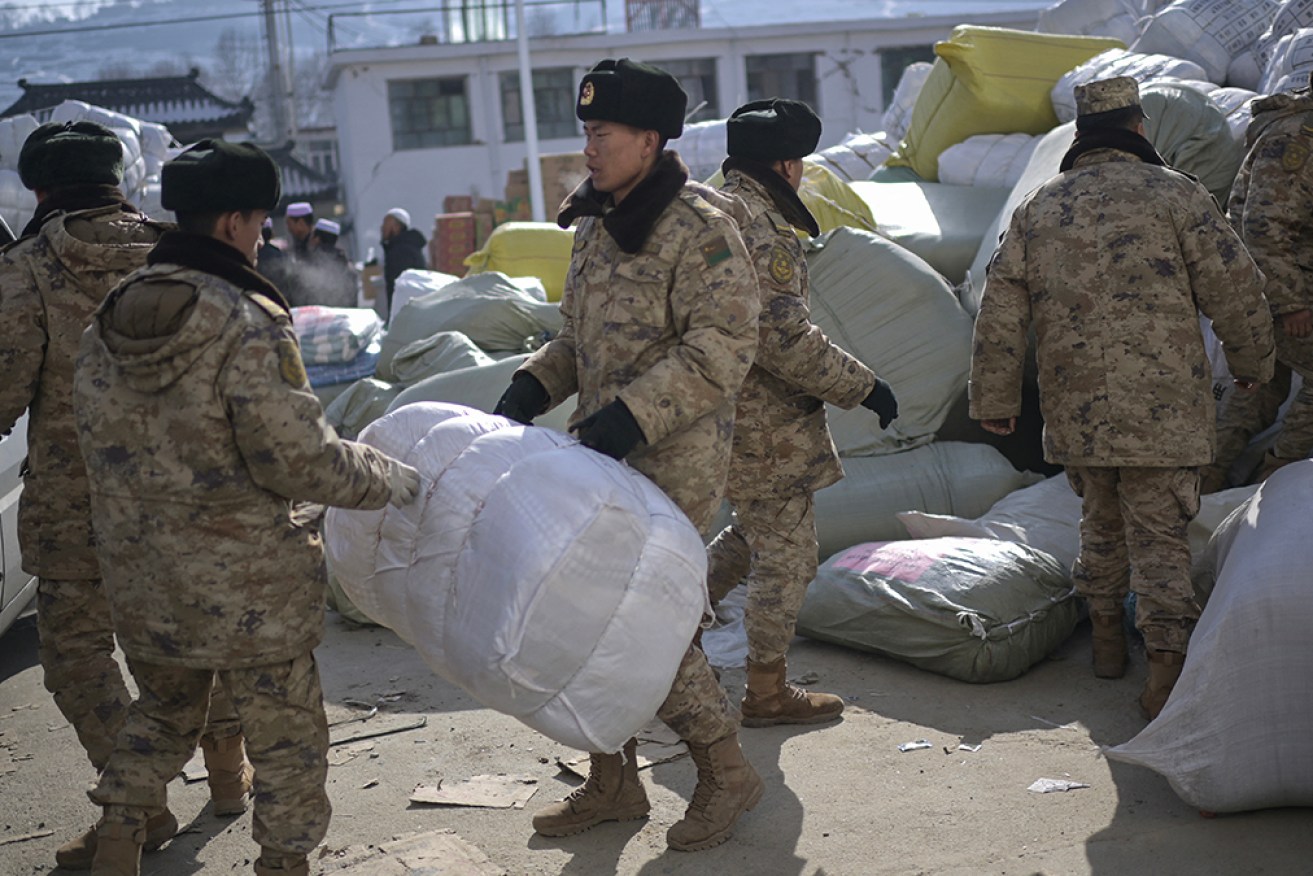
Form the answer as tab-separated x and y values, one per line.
487	792
437	851
194	770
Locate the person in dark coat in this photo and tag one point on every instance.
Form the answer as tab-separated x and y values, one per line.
403	249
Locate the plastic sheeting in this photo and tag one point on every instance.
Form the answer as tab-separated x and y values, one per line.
1234	733
942	478
977	610
531	572
1114	18
897	315
942	224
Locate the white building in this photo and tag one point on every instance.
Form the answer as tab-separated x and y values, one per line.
417	123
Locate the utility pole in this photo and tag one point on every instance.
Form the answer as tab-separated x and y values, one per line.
277	75
529	112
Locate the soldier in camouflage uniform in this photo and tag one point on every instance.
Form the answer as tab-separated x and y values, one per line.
1108	261
198	429
782	447
83	239
660	324
1271	206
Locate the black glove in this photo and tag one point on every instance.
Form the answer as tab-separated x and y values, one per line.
523	400
612	430
882	401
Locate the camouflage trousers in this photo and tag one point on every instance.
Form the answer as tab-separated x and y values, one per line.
281	707
1248	413
1133	534
77	657
772	543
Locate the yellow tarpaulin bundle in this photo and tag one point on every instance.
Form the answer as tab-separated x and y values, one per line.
527	249
990	80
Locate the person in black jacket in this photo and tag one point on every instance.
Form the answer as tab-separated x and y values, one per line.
403	249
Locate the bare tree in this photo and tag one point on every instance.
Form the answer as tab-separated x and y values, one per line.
238	66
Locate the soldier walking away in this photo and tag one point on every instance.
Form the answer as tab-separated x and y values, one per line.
1108	261
300	221
1271	206
660	325
783	452
198	429
403	249
82	240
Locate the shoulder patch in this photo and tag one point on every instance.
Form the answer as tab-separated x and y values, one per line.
776	219
290	365
715	251
781	265
1294	156
275	310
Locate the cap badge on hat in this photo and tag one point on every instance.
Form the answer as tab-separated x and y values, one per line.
586	94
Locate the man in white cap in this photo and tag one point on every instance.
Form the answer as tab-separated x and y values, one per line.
300	222
324	276
403	249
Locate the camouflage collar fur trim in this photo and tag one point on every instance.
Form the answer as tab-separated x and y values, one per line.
786	200
630	223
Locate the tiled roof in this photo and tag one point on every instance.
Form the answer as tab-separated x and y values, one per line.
301	182
174	101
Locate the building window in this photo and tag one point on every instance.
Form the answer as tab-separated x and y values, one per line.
321	155
553	100
792	76
429	112
698	76
894	61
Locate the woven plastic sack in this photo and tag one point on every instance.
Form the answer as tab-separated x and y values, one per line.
527	249
898	115
489	309
946	477
898	316
857	157
531	572
1233	735
994	161
973	609
361	404
437	354
940	223
1290	63
1112	18
1141	67
1219	35
989	80
479	387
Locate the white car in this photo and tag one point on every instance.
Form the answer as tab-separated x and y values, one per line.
16	586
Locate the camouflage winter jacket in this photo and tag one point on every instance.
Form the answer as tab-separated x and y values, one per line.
1110	262
660	310
50	285
782	444
1271	203
199	429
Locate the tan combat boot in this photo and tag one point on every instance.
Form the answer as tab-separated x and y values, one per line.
78	854
276	864
229	774
118	850
1164	670
1109	640
727	787
613	792
771	700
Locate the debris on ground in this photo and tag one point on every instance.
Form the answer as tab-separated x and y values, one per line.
437	851
383	725
22	838
483	792
916	745
1049	786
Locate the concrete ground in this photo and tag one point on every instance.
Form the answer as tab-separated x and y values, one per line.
841	799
